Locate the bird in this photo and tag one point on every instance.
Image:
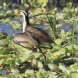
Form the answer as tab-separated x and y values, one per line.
31	36
39	34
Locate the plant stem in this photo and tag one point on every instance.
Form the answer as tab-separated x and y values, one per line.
52	22
73	30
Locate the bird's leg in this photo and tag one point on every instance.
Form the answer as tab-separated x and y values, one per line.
43	55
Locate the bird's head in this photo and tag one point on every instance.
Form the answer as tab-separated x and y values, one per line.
23	13
25	16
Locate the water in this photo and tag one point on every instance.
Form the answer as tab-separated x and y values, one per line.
4	72
76	37
8	29
66	26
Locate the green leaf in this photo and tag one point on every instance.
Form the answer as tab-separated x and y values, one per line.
43	2
36	55
59	16
4	42
58	41
75	47
74	67
69	4
40	65
12	76
14	71
74	75
4	51
69	47
52	75
59	54
42	74
52	66
8	13
29	72
64	69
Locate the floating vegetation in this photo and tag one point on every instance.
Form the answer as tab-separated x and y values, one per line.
61	56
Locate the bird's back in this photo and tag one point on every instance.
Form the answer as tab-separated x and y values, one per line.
39	34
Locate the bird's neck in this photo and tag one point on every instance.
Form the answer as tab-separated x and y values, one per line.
27	18
25	22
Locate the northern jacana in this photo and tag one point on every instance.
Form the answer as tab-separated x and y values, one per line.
38	33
